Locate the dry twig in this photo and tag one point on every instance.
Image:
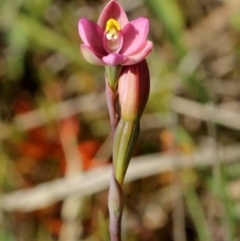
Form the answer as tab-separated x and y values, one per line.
96	102
97	180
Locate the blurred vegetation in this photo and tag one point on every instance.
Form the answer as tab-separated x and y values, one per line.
196	56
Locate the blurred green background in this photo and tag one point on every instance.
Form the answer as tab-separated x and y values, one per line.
54	121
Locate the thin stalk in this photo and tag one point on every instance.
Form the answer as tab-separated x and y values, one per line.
177	187
115	207
219	183
197	213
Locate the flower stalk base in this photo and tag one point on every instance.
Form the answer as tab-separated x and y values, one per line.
115	206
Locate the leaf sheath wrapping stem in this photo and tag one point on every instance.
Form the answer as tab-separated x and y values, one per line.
125	140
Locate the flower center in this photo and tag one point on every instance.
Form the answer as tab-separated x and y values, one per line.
113	38
112	29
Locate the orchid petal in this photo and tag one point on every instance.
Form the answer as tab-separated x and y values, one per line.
134	35
90	56
140	54
112	10
91	35
113	59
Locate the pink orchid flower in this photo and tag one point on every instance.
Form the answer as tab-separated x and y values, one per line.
113	40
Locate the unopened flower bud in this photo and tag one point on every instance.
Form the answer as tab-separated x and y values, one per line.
133	89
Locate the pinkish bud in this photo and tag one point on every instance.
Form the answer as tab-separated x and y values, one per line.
133	89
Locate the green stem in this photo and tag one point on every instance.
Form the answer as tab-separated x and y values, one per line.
112	74
115	207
